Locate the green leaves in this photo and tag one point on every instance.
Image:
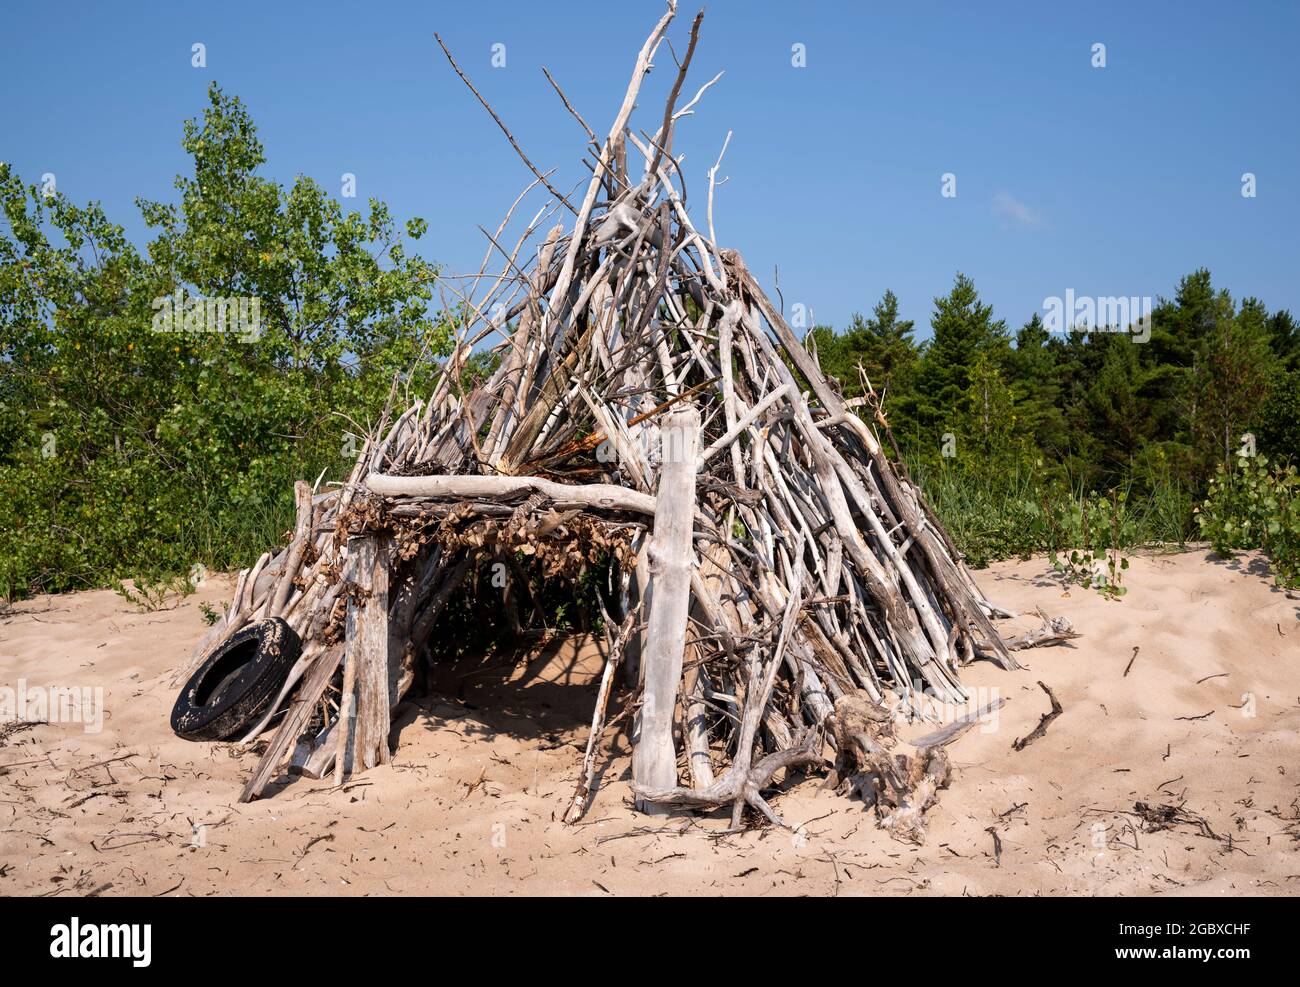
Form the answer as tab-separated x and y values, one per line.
174	443
1101	528
964	329
1251	506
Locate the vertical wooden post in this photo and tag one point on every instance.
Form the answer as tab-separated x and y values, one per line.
293	561
638	594
363	739
670	558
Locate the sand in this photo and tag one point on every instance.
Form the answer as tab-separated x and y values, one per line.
1208	717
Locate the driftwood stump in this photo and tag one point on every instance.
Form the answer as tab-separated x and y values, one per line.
899	780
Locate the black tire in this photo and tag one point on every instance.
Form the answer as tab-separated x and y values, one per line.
232	689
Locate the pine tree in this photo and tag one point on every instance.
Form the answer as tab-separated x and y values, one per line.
882	345
1035	387
1284	337
887	342
963	329
1235	365
1109	424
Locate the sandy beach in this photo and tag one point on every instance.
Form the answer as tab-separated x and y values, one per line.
1205	720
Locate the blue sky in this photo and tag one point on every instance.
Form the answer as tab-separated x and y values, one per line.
1111	181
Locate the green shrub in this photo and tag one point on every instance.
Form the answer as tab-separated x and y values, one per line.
138	446
1090	536
1252	506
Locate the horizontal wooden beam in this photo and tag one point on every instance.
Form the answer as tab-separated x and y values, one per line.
591	495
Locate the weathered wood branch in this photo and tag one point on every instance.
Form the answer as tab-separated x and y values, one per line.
1053	630
598	496
671	559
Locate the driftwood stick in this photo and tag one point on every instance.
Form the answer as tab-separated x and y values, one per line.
1054	630
302	536
367	655
578	805
295	720
671	558
345	742
1043	722
1132	658
504	129
946	735
318	758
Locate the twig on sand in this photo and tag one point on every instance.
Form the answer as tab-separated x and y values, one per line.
1043	723
1131	661
1157	817
997	845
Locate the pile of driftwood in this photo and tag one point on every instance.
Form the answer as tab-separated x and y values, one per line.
779	586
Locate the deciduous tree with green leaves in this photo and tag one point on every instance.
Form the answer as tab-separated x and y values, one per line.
132	445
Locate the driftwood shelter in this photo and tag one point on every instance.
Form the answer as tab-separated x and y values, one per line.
779	586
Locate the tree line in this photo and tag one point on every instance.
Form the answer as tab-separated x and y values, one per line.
157	401
1207	377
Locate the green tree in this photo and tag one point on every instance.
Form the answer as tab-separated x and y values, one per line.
1277	424
991	425
1232	372
131	442
880	347
889	352
1284	337
1110	426
1036	388
964	329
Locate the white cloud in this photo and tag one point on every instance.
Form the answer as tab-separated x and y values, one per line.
1016	213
